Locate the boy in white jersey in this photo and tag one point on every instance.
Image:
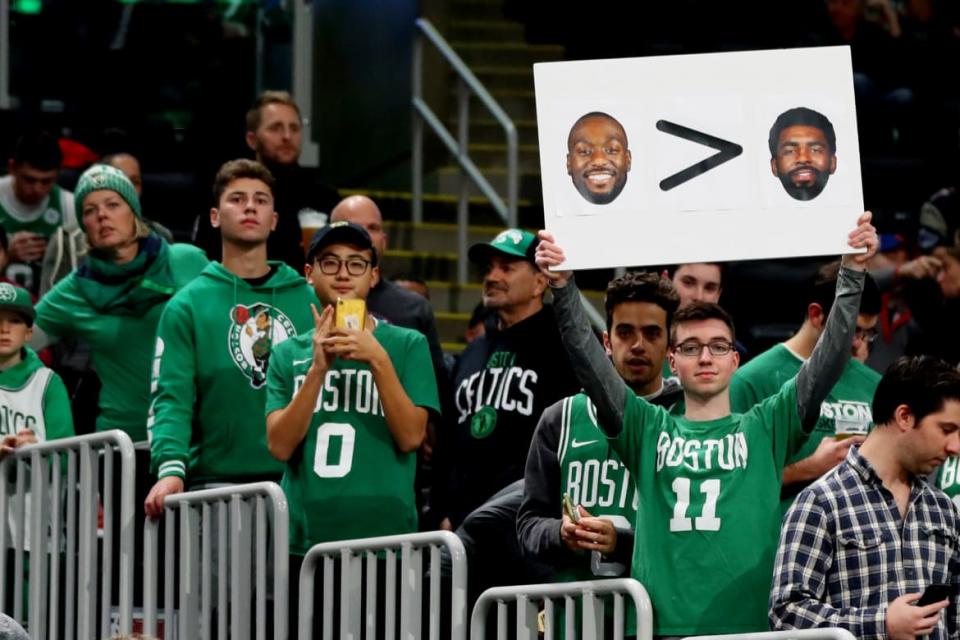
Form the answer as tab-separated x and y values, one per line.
33	400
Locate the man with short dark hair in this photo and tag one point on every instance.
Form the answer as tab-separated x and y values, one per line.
275	135
708	479
568	443
32	206
803	152
206	423
859	546
845	415
598	157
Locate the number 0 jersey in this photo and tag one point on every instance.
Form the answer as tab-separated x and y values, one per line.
348	479
708	517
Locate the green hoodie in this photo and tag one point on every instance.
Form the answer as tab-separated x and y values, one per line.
117	314
33	397
210	372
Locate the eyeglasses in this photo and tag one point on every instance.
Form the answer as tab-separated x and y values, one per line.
693	348
867	335
330	265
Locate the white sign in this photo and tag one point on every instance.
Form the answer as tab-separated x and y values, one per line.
668	159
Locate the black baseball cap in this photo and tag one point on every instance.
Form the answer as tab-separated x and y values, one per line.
341	232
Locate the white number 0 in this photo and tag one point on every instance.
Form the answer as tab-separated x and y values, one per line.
324	433
707	520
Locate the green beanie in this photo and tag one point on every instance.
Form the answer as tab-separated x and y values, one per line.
101	177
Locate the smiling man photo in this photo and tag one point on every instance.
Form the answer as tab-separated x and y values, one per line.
598	157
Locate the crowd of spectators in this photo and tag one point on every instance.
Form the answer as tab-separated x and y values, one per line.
553	455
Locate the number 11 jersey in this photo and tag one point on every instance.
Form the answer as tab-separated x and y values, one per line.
708	517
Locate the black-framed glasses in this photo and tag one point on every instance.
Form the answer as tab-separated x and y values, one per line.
356	266
867	335
693	348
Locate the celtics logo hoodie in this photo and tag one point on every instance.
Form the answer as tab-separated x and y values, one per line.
210	366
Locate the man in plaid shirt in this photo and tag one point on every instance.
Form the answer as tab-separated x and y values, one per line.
860	545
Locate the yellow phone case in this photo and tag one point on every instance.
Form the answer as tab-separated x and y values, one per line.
351	313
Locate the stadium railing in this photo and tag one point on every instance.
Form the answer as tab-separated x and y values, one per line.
359	561
49	503
526	599
218	532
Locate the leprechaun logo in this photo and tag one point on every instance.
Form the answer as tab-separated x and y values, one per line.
254	330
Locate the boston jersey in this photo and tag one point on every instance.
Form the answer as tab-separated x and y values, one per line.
709	493
348	479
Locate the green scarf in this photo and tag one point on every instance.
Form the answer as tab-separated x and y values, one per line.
129	289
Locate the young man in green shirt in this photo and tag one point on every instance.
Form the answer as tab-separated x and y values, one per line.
347	408
214	346
709	481
845	415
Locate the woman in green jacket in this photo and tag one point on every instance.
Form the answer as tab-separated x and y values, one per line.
114	300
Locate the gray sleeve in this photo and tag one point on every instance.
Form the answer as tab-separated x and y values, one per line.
825	365
593	368
539	517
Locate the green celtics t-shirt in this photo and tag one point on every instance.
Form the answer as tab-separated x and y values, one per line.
348	479
845	410
595	477
708	520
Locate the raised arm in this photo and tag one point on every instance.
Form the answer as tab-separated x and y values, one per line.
590	363
825	365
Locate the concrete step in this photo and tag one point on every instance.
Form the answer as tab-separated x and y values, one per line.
434	237
485	31
518	103
488	130
494	154
505	77
441	208
484	54
476	10
425	264
530	188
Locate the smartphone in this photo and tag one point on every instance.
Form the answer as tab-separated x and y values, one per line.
351	314
936	592
570	509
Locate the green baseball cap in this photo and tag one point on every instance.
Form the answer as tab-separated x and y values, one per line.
18	300
512	242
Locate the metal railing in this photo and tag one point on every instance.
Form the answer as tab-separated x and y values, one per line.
592	610
798	634
411	548
467	85
233	522
59	506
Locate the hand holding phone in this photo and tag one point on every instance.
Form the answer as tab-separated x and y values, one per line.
351	314
936	592
570	509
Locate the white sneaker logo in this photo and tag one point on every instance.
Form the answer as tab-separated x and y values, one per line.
577	445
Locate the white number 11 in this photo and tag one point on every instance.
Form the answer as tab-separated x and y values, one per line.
707	520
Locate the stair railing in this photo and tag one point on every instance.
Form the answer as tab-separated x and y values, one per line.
467	85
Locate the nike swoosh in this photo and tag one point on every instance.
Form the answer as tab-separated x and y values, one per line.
296	362
577	445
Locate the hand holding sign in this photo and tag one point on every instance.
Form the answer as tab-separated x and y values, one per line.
549	255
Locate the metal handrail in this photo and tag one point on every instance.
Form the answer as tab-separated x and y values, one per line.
524	595
467	84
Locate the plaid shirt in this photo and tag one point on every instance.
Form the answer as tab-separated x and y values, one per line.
845	553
